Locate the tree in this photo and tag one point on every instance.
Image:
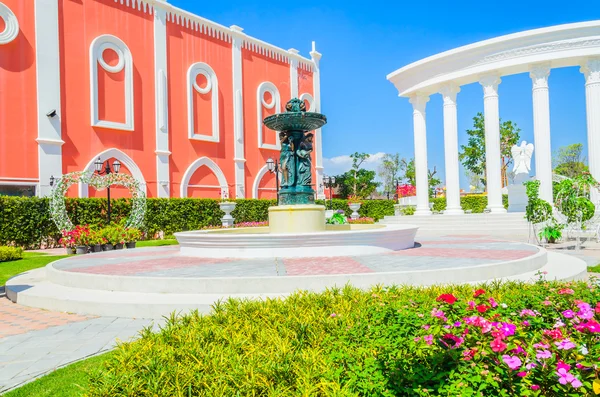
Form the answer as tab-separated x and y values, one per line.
568	161
389	171
358	181
410	175
473	153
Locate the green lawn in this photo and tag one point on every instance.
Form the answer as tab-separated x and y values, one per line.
594	269
70	381
31	260
156	243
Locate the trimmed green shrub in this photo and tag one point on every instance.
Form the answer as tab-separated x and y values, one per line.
26	222
10	253
500	339
475	203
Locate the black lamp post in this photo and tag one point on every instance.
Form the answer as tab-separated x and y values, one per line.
397	182
273	167
52	179
116	167
329	182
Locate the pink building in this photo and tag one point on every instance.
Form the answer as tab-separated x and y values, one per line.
177	99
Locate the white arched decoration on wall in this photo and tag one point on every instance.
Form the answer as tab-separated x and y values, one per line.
212	86
256	185
124	159
11	25
125	61
311	101
204	161
263	88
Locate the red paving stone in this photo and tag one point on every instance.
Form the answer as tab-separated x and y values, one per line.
17	319
151	265
466	235
119	254
462	241
320	265
506	255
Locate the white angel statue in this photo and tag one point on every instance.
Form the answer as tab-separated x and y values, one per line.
522	159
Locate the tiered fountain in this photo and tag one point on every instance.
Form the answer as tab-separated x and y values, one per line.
297	226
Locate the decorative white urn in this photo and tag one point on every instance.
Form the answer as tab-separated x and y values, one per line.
227	207
354	207
328	214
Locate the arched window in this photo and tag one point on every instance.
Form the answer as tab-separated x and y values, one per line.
123	65
309	100
221	189
212	87
266	88
11	25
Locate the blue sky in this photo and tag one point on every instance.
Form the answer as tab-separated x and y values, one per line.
362	42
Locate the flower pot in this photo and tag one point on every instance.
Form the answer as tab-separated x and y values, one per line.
227	219
551	240
131	244
70	250
108	247
81	249
97	248
119	246
354	207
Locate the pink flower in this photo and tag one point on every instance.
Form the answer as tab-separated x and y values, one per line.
530	366
438	313
513	362
565	378
541	346
333	315
562	365
492	302
508	329
535	387
566	291
452	341
471	305
497	345
527	312
543	354
428	339
525	323
585	311
565	344
568	314
457	324
547	303
418	338
425	327
522	374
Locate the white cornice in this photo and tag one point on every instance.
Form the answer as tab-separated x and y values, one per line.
46	141
162	152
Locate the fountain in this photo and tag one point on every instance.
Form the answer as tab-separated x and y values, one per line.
297	225
296	212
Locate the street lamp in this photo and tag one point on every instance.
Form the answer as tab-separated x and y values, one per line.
99	164
273	167
397	182
329	182
52	179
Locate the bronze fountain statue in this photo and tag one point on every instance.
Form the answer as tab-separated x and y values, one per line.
296	150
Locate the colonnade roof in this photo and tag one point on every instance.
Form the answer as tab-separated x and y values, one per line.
555	46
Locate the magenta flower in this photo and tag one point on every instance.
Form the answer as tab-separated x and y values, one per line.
528	312
535	387
438	313
508	329
530	366
565	344
492	302
457	324
522	374
512	362
525	323
568	314
543	354
585	311
565	377
562	365
428	339
541	346
497	345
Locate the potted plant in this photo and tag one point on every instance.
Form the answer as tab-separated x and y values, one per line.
132	235
354	204
96	241
551	233
227	206
107	236
68	241
337	218
81	234
119	237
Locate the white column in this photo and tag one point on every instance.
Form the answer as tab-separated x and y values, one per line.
293	72
316	57
591	70
492	143
238	113
541	130
419	103
453	206
47	60
161	103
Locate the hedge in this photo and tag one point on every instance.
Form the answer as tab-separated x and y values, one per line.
475	203
25	221
10	253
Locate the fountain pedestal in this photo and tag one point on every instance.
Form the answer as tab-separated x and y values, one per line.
299	218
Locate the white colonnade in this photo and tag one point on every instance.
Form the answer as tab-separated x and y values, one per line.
535	52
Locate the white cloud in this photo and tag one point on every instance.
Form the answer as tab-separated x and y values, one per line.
340	164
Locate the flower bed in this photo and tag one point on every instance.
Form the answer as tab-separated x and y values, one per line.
362	221
509	339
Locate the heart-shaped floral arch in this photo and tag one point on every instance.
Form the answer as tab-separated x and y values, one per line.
58	208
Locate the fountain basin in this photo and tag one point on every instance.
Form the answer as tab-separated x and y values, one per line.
263	243
299	218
